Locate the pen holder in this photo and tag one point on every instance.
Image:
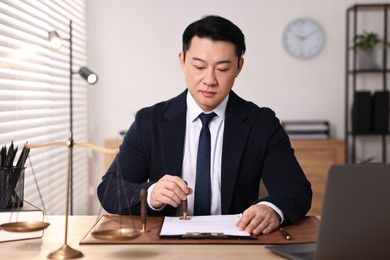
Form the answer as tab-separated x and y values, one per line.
11	187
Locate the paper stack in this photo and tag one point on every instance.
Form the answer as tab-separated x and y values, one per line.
307	129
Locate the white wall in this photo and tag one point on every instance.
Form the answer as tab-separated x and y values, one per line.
133	46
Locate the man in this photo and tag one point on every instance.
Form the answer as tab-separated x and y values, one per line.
248	143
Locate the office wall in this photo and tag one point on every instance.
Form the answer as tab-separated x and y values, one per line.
133	45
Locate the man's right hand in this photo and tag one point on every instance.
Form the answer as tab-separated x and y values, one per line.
169	190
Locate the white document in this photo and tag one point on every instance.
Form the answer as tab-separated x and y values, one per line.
214	224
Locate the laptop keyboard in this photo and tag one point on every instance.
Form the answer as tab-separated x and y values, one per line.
304	255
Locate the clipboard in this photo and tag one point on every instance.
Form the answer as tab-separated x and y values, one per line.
203	227
206	235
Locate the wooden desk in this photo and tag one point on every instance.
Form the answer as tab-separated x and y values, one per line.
53	239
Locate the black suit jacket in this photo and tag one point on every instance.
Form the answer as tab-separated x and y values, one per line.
255	146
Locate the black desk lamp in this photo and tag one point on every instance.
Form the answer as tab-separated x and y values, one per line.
66	252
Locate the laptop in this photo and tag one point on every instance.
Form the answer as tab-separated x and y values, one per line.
355	220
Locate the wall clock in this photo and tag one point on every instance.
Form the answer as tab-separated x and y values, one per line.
303	38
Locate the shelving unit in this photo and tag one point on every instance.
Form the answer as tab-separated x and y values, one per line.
354	74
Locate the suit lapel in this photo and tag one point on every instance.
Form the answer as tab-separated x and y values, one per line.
235	134
172	135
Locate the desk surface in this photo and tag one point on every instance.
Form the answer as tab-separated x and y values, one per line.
53	239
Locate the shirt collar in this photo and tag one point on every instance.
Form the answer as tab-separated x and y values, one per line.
193	109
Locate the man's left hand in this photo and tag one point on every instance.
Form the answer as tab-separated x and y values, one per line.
258	219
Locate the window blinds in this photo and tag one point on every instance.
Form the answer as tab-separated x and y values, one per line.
34	96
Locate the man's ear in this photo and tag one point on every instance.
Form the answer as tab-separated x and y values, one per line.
240	65
181	60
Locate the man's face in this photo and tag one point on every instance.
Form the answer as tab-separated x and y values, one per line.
210	68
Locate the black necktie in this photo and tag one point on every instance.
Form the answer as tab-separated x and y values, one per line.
203	183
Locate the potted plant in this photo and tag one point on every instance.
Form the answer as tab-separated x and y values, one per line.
369	47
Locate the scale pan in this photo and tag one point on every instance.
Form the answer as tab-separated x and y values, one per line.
27	226
120	234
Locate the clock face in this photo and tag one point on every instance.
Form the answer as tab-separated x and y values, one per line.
303	38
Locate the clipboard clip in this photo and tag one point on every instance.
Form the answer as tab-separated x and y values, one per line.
205	235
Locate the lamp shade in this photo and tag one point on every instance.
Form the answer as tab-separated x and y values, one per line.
55	40
88	75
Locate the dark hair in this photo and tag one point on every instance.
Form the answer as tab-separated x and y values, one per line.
215	28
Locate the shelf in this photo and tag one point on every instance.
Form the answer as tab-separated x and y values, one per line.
369	7
366	71
369	134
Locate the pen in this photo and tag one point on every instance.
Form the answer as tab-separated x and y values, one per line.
285	234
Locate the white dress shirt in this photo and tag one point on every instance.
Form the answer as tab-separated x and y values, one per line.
193	128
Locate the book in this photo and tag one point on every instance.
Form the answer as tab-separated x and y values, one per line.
362	113
301	136
27	212
380	113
